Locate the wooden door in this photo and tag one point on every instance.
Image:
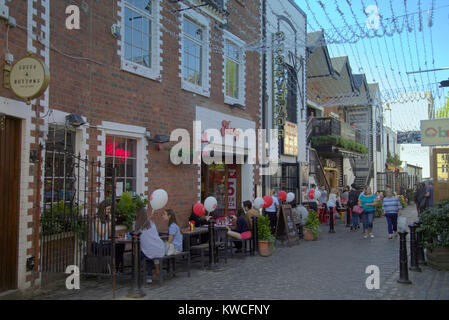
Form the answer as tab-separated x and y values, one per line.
440	175
10	136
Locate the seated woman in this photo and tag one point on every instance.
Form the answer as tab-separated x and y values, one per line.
101	231
174	233
152	247
242	230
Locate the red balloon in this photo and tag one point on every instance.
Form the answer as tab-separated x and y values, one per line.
199	209
282	195
268	201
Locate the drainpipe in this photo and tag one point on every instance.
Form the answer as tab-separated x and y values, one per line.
264	80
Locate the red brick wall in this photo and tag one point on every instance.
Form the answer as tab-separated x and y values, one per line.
105	93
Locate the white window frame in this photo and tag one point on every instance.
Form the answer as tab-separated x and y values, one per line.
129	132
153	72
229	37
203	22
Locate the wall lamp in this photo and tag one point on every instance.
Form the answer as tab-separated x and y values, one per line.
75	120
159	139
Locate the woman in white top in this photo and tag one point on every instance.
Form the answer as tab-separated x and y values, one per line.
151	246
331	204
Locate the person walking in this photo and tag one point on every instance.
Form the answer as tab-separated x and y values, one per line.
368	201
391	207
323	197
421	197
272	210
429	195
353	199
331	204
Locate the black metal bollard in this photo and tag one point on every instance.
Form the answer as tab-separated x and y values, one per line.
255	235
212	264
413	250
136	289
420	248
403	269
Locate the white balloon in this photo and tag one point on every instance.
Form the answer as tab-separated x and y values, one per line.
258	203
158	199
290	197
210	204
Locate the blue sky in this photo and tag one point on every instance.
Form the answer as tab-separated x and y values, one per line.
387	59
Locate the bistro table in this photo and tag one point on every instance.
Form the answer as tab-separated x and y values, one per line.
188	235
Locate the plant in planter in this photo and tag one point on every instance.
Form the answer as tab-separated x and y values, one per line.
62	217
128	207
435	229
312	226
266	239
403	202
379	211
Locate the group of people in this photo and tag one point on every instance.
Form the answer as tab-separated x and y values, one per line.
360	204
423	196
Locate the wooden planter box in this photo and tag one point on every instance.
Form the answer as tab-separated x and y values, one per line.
438	258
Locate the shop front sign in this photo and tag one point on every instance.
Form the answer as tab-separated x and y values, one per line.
291	139
232	190
435	132
29	78
280	88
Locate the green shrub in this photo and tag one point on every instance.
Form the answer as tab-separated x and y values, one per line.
313	223
62	217
264	230
435	226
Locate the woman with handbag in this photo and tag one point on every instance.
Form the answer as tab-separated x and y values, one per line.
368	201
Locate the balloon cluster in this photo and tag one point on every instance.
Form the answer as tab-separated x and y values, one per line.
267	201
210	204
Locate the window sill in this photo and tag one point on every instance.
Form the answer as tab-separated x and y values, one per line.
232	101
187	86
141	70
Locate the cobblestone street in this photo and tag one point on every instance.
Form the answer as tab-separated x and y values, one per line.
331	268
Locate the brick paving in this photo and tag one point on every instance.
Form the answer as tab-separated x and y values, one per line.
331	268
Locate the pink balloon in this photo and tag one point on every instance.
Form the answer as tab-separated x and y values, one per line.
282	195
199	209
268	201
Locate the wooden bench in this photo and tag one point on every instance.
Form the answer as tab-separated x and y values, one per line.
168	260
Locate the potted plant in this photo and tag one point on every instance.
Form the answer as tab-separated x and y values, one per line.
266	239
127	209
435	238
379	211
312	226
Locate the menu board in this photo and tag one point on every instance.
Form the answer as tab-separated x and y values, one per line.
285	226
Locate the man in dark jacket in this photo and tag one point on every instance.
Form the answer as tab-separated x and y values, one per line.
421	197
353	199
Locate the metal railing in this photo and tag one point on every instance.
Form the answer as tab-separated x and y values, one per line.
327	126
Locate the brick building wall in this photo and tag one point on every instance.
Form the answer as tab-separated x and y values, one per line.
87	79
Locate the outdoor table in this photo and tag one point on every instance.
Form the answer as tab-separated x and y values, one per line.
187	235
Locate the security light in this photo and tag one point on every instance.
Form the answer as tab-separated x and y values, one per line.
75	120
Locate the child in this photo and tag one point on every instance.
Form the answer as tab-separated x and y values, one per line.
175	236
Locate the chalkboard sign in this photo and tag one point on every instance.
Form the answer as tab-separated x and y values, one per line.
285	225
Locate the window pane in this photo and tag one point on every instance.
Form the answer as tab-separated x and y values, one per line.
128	51
129	14
192	30
137	39
131	147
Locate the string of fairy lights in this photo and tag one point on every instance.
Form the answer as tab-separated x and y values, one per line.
400	36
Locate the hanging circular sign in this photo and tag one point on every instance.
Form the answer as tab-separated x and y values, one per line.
29	78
